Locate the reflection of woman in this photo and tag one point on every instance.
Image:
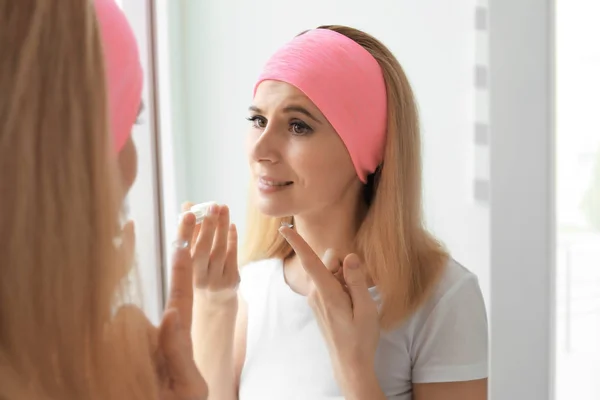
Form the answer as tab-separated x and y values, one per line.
334	150
60	271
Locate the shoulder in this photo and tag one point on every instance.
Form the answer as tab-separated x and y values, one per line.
456	281
449	333
457	291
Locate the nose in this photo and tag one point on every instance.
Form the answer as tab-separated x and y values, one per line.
264	145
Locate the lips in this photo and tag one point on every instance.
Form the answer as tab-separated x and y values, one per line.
273	182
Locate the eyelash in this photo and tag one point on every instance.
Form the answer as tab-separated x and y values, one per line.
296	124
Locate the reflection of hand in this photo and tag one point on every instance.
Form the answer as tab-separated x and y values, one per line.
126	245
348	320
215	302
214	256
180	379
177	375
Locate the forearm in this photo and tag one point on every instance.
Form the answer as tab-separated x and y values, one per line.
213	331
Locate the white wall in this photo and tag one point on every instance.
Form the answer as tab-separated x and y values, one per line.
219	48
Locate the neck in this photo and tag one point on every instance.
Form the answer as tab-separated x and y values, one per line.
332	228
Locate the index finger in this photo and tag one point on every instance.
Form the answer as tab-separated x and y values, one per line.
323	280
181	293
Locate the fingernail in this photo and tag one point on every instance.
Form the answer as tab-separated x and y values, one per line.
282	231
353	263
213	210
191	217
285	224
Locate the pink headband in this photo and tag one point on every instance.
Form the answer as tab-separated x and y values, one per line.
124	76
346	84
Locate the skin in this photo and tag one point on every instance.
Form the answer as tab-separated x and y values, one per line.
128	160
290	141
179	377
287	144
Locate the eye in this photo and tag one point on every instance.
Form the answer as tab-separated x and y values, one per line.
300	128
258	121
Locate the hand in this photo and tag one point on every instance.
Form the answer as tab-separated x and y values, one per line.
214	256
170	344
333	261
180	379
125	244
348	319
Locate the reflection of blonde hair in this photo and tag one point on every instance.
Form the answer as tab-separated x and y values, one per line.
403	259
59	269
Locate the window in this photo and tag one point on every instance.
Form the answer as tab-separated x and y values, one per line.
577	344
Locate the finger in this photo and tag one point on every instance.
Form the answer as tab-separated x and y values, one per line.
203	245
219	248
186	228
332	260
231	259
176	351
181	293
186	206
362	302
127	248
312	264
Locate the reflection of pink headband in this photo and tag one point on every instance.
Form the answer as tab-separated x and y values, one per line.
123	70
346	84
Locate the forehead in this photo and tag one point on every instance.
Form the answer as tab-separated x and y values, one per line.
272	93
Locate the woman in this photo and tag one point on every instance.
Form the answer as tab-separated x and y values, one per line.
335	217
61	275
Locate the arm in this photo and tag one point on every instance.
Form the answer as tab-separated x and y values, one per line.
213	348
212	332
467	390
215	304
239	341
450	352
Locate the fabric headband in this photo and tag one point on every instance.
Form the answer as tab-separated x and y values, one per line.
346	84
124	76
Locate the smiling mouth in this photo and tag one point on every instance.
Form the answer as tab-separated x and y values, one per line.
268	182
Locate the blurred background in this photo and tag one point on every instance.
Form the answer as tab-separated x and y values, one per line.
509	94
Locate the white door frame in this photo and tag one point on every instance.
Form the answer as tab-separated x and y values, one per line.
522	200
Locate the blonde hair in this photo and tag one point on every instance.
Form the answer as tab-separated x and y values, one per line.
60	272
403	258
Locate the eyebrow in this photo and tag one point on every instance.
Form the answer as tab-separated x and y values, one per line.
291	108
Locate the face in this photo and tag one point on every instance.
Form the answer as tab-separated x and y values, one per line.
128	159
298	162
128	163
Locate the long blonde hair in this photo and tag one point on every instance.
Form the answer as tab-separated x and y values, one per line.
60	272
404	260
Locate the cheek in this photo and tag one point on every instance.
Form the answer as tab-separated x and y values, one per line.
251	138
128	164
324	166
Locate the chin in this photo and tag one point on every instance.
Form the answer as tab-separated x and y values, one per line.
273	207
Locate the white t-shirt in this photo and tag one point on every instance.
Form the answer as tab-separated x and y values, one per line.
446	340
